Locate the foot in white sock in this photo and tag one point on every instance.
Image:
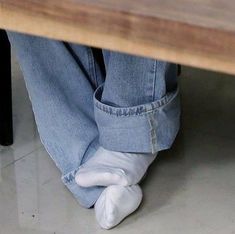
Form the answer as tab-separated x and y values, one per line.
115	203
108	167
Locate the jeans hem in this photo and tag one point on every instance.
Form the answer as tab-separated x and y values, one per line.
146	128
133	110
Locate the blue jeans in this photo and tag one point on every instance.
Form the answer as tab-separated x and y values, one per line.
84	97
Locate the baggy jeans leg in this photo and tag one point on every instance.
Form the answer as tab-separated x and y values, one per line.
137	109
61	79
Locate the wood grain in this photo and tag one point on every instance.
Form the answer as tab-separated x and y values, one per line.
198	33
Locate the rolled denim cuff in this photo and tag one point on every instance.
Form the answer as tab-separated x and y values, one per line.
146	128
86	197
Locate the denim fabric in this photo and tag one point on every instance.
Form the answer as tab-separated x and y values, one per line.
84	97
149	127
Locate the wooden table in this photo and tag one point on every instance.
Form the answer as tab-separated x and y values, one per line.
198	33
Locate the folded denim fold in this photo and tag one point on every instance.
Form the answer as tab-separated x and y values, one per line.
146	128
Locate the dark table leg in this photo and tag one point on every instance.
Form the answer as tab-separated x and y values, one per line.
6	128
179	69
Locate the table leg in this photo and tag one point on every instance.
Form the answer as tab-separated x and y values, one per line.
6	125
179	69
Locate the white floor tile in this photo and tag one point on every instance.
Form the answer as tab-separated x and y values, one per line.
190	188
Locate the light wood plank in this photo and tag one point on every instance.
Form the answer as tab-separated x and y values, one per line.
198	33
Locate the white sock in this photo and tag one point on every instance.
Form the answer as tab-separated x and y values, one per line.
108	167
115	203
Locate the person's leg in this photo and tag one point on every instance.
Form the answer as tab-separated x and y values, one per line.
61	79
137	111
137	108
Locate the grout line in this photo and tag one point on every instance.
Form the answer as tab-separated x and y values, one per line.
22	157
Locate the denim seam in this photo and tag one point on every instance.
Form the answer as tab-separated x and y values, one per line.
76	58
149	92
139	110
113	128
153	134
142	109
94	69
154	78
91	66
69	177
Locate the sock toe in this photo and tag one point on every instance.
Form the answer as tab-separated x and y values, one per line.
101	176
115	203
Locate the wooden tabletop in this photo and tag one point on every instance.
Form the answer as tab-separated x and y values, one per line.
199	33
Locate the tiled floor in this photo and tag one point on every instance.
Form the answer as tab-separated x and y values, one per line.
190	189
